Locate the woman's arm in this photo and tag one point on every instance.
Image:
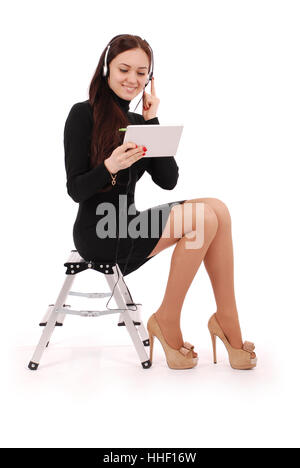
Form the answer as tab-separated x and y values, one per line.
82	182
164	171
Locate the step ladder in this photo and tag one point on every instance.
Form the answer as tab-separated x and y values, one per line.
130	312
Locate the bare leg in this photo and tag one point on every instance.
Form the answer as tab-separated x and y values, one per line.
184	266
219	265
217	253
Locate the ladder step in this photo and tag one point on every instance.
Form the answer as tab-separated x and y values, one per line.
57	324
91	313
122	324
90	295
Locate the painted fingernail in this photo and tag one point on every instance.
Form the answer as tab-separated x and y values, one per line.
144	154
144	148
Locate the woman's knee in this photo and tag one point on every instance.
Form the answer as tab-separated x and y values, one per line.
211	222
205	224
221	210
199	215
193	216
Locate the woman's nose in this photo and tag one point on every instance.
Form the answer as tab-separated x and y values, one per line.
131	78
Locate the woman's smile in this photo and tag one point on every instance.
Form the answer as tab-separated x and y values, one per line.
129	89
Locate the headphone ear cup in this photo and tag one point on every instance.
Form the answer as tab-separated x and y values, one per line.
105	67
150	77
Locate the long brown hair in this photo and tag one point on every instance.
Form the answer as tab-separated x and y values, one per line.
107	115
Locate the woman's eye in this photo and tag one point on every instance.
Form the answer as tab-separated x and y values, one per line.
124	71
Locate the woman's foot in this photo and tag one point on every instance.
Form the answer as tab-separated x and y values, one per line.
230	325
176	358
171	332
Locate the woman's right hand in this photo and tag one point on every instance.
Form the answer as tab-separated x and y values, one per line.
124	156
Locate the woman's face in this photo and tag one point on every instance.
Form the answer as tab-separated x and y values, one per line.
128	73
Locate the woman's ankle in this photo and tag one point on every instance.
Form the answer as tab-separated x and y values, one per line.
170	329
230	325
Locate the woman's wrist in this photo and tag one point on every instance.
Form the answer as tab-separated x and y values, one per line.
109	166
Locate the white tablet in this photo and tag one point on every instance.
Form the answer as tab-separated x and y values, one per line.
160	140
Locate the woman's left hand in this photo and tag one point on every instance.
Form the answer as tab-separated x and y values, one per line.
150	103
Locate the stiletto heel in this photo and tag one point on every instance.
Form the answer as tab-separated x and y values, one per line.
151	340
238	358
176	359
213	339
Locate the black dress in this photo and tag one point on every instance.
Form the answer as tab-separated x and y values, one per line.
83	184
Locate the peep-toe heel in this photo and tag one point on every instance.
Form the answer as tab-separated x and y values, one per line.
238	358
151	340
176	358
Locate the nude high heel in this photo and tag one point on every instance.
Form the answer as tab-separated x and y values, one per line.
238	358
176	359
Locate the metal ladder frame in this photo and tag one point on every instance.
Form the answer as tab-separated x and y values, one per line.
130	312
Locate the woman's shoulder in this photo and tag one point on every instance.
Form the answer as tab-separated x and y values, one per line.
81	113
82	107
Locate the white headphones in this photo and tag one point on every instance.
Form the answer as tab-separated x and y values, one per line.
105	67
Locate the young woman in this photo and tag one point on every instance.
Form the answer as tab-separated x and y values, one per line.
102	173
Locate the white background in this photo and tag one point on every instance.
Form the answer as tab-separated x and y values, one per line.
229	72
